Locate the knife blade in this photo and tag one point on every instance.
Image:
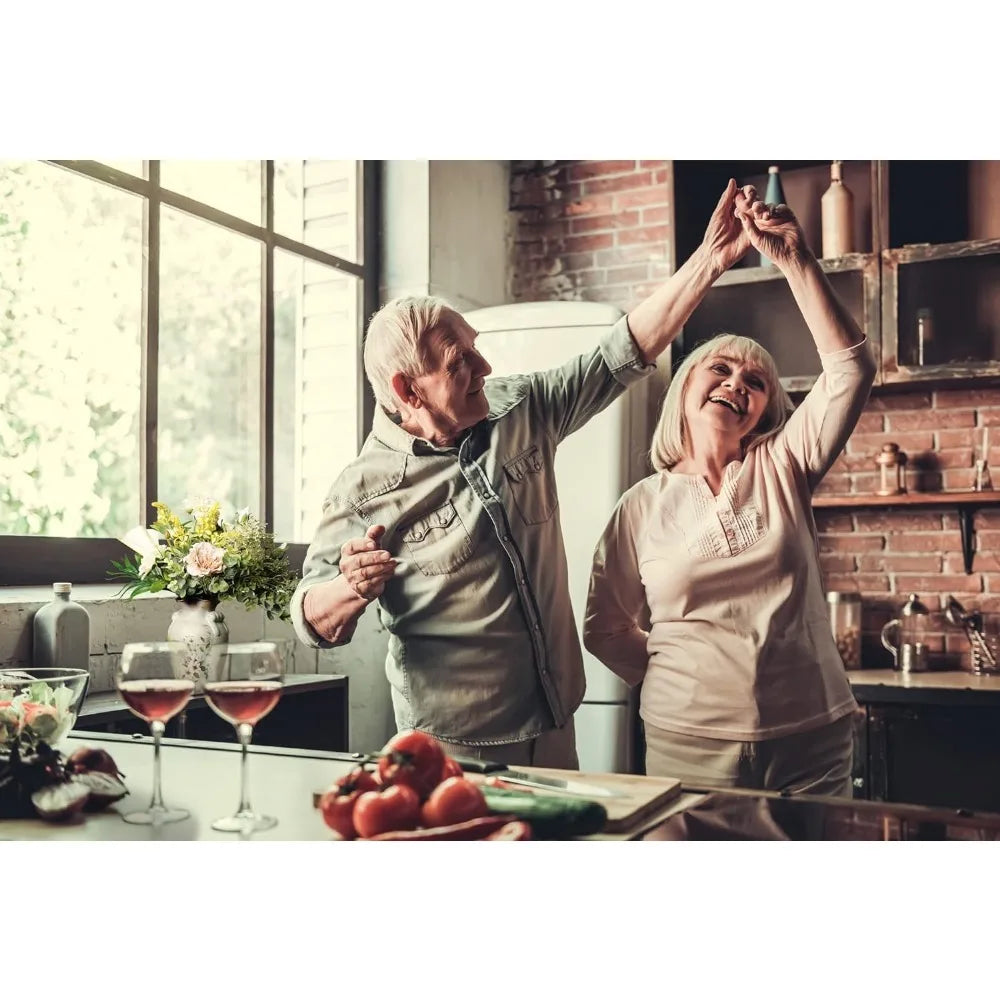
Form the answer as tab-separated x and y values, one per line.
544	782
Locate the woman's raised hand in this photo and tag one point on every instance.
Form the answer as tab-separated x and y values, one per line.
771	229
725	239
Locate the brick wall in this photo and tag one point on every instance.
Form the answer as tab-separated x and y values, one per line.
599	231
589	230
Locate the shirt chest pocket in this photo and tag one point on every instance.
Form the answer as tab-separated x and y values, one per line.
532	481
438	542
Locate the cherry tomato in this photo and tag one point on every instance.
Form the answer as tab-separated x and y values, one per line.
412	758
451	768
337	802
453	801
394	808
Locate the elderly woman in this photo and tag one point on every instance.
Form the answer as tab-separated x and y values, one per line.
706	586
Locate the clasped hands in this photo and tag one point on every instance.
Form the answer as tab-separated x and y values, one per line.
741	221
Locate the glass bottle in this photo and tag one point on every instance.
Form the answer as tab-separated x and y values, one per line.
774	195
845	622
61	632
837	212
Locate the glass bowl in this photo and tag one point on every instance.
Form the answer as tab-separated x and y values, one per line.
39	704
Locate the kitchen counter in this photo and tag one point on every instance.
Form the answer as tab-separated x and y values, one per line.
204	778
933	687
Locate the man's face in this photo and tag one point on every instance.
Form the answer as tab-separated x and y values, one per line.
452	389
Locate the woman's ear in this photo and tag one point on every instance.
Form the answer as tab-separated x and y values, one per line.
403	388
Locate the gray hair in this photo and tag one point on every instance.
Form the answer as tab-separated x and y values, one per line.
670	439
397	342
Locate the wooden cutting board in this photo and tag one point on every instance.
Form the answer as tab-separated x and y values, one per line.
640	796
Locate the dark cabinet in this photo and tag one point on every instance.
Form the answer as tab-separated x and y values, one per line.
311	715
945	754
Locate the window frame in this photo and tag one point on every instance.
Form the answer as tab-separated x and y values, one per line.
27	560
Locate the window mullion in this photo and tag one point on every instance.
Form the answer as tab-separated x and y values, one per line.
267	349
150	348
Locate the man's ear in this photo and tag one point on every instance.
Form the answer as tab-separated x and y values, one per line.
402	387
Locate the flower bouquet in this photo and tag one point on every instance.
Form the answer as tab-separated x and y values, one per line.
207	558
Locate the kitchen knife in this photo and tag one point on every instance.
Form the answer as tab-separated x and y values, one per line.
544	782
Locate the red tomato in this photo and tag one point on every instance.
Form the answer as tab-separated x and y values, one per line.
394	808
412	758
453	801
337	802
451	768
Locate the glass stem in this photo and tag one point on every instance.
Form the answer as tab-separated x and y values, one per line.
244	732
157	800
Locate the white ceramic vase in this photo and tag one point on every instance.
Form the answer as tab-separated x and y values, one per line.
199	625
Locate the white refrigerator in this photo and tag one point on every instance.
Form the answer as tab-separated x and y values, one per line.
593	468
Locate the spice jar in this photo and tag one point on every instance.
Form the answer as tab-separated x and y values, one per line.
891	464
845	622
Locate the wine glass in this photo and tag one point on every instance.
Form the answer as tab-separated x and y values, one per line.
243	685
150	681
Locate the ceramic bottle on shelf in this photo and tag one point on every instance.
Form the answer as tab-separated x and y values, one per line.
837	212
61	632
774	195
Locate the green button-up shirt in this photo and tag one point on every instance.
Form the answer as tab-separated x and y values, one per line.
483	648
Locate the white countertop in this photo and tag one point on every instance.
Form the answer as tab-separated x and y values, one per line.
954	680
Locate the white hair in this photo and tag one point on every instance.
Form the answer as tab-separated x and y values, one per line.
397	342
670	439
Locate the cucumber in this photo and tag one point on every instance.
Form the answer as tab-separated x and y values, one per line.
551	817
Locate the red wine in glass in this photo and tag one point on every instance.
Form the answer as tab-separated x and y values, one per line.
243	701
156	700
151	681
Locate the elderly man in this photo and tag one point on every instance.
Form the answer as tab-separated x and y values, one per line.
448	518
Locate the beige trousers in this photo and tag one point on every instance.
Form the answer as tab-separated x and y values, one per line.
816	762
555	748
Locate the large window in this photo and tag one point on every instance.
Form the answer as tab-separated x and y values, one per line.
172	330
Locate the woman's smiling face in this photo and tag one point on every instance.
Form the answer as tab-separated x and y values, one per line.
725	395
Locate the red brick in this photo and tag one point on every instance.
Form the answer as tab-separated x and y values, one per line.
894	563
590	223
987	541
634	272
644	234
662	176
871	444
599	168
987	518
835	562
982	562
959	479
851	543
853	462
965	438
938	584
654	163
947	398
992	581
880	520
865	482
931	419
657	195
925	541
870	422
867	583
989	418
954	458
633	255
592	241
596	204
624	183
832	520
662	213
906	401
